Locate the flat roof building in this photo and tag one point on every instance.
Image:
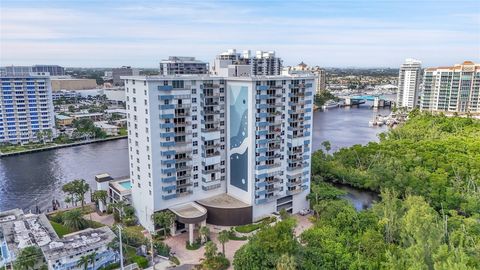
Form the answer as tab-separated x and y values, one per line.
454	89
176	65
234	64
409	79
26	107
194	137
73	84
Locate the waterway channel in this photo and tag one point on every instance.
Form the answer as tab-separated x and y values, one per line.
36	178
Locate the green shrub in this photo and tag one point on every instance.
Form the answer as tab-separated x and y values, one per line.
142	262
233	236
175	260
60	229
111	266
161	248
196	245
56	218
248	228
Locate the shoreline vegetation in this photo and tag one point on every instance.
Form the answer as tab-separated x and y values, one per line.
13	150
428	174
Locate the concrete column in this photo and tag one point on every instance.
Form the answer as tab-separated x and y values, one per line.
203	223
173	229
190	233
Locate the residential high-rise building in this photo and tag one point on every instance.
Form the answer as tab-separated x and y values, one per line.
26	108
302	68
182	65
228	150
233	64
409	78
452	89
122	71
53	70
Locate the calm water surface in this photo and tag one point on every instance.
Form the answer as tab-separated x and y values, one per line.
37	178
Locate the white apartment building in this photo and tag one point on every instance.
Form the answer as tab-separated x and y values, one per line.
452	89
233	64
26	107
319	74
176	65
409	79
226	150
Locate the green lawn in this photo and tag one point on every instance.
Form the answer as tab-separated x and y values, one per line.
60	229
255	226
18	148
248	228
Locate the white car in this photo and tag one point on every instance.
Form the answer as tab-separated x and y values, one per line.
305	212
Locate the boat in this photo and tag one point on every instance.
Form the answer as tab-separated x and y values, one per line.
330	104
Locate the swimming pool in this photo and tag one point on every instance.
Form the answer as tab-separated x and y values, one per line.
126	185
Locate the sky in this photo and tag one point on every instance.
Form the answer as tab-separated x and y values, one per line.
333	33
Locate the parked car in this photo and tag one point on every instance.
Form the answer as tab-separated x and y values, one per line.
305	212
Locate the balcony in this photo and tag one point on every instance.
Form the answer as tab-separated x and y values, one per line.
212	129
165	87
169	188
184	193
184	176
293	192
169	179
168	197
183	184
216	153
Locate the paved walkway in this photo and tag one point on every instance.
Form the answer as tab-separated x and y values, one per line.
104	219
177	243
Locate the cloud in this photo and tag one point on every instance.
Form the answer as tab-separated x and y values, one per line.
142	34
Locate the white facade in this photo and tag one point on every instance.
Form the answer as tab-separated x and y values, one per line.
452	89
26	107
176	65
409	79
245	64
184	137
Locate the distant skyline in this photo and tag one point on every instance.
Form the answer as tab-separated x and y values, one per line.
325	33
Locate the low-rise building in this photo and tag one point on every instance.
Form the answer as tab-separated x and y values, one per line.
65	253
92	116
63	120
118	189
73	84
19	230
110	130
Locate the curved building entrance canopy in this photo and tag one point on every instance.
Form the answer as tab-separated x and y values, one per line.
190	213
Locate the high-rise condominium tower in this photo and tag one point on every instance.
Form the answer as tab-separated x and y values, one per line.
175	65
225	150
26	108
233	64
452	89
409	79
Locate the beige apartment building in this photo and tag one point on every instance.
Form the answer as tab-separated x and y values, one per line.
73	84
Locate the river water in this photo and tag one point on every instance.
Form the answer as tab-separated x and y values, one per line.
37	178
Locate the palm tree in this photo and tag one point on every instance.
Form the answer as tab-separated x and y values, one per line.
73	219
100	196
92	257
28	257
204	232
84	262
286	262
223	238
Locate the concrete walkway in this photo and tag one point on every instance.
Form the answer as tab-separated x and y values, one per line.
192	257
104	219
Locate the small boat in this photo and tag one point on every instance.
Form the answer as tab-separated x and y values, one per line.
330	104
372	123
